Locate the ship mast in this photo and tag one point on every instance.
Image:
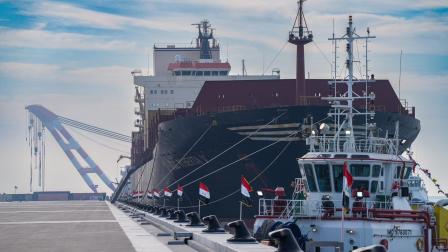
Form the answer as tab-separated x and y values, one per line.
300	36
205	33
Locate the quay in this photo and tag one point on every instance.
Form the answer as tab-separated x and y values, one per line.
76	226
101	226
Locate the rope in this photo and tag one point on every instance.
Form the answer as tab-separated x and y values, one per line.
186	153
323	54
275	57
231	147
225	166
150	176
252	180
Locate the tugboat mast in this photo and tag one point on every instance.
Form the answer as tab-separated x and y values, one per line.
300	36
344	104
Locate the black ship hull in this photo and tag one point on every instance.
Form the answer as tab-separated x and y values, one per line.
218	149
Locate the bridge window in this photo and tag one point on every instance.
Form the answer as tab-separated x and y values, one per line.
376	169
172	91
323	177
177	73
310	177
337	177
222	73
206	73
186	73
215	73
360	170
199	73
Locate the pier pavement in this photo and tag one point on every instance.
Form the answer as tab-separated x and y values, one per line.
75	226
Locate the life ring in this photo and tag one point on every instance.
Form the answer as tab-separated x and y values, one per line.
419	244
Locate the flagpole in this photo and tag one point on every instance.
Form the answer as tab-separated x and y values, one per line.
199	208
241	210
177	203
342	219
163	202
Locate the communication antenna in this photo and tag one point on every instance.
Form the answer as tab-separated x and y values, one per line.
244	72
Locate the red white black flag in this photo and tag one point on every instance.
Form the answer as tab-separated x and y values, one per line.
180	190
149	194
167	193
245	192
156	193
346	186
204	193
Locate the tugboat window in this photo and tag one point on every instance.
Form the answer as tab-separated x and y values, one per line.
397	172
376	169
360	185
310	177
323	177
407	172
373	186
360	170
337	178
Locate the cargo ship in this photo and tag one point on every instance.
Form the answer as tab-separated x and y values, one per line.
197	123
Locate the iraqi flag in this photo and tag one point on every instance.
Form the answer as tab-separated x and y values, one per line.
180	191
167	193
156	193
149	195
346	186
245	192
204	193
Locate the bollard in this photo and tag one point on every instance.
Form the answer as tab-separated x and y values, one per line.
194	220
240	233
171	215
163	212
213	225
286	241
181	218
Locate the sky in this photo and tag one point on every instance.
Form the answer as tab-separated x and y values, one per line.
76	58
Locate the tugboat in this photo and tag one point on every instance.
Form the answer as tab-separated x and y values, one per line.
354	191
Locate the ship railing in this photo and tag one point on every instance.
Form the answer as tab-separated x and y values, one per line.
318	209
367	145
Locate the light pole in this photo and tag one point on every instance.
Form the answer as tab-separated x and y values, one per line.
15	189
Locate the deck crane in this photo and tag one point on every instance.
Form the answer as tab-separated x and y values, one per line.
39	119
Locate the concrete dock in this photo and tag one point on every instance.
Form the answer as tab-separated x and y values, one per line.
75	226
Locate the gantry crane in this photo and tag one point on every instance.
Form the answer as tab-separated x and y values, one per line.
39	119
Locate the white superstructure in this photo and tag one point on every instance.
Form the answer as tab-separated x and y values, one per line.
180	72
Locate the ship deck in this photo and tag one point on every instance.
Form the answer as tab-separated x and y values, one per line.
75	226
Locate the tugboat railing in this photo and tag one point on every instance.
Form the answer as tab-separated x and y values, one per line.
368	145
289	209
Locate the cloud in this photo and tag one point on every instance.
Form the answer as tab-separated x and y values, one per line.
38	38
73	15
32	74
